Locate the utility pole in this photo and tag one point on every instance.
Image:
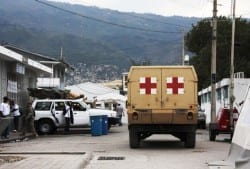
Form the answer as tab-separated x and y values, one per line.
212	124
61	53
183	47
232	69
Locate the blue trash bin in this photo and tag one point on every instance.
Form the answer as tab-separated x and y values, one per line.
96	125
104	124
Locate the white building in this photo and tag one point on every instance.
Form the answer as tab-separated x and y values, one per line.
222	94
17	73
58	66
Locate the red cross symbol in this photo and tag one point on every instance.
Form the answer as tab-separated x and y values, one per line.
175	85
148	85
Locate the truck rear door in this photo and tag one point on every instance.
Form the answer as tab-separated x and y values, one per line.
145	92
178	92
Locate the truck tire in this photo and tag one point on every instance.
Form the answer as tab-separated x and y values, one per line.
212	135
190	140
134	140
46	126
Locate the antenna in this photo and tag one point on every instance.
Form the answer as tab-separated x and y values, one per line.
61	54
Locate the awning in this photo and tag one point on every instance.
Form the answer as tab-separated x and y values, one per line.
10	55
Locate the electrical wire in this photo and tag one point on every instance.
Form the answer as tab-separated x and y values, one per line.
150	19
165	42
106	22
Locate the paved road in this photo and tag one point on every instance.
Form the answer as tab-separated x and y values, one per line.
81	150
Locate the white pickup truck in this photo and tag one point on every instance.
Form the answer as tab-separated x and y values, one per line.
49	114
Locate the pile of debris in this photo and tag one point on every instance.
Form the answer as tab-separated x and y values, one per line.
51	93
10	159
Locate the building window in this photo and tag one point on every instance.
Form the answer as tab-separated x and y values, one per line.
225	92
202	101
205	98
218	94
209	97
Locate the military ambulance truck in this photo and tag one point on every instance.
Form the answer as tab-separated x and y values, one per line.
162	100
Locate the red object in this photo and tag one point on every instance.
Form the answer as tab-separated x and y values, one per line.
148	85
175	85
223	118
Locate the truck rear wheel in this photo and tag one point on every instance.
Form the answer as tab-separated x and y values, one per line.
190	140
46	126
134	140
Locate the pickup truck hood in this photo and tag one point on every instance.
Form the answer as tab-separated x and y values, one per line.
96	112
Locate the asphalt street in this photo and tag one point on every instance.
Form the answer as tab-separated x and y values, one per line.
81	150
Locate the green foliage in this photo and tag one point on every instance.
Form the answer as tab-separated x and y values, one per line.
198	41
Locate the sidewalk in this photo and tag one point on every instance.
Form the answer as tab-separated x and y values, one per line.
60	159
15	136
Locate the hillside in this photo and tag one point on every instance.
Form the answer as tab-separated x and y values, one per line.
40	28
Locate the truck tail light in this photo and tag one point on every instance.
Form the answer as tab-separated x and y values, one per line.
190	116
135	116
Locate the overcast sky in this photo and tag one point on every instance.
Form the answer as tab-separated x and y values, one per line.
198	8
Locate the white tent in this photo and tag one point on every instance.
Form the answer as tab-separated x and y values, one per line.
96	91
112	97
239	154
91	90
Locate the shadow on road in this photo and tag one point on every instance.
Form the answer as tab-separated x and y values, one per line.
162	144
76	131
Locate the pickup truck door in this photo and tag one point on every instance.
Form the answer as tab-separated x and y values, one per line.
57	108
81	116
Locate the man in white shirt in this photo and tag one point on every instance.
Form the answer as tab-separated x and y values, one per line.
14	109
5	112
68	114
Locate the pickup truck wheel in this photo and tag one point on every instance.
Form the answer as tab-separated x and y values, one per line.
134	140
190	140
46	126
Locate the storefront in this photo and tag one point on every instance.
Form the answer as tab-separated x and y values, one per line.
17	73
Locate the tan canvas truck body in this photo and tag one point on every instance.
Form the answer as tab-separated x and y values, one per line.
162	99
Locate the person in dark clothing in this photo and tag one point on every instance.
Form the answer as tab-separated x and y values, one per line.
120	113
28	120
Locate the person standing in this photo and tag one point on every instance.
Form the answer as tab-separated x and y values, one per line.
68	115
28	120
16	114
5	112
120	113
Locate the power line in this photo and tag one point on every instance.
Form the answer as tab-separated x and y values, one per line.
150	19
130	48
103	21
146	18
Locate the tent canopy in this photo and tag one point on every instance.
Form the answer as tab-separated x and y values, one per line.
111	97
96	91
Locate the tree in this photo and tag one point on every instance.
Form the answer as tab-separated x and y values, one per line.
198	41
